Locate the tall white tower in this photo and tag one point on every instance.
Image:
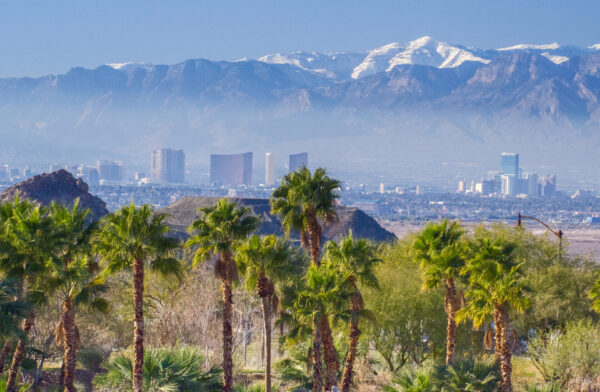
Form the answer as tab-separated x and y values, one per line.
270	169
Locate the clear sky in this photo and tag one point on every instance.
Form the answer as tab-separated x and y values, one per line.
51	36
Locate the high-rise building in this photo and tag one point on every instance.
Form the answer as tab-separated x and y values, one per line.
509	161
548	186
298	161
508	185
382	188
168	165
269	169
461	187
533	186
231	169
110	170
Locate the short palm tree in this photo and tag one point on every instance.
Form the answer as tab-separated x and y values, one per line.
129	239
218	232
263	261
494	287
356	258
74	278
323	292
12	311
440	254
28	245
303	202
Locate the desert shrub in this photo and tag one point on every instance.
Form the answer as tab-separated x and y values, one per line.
91	357
165	369
468	375
568	356
413	379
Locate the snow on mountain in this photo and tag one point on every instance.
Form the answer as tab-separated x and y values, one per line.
334	65
552	46
595	47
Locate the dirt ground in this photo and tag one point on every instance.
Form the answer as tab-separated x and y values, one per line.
581	239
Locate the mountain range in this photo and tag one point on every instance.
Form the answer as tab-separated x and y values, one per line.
419	101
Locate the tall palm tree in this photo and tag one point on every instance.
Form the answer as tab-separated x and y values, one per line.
129	239
323	291
494	288
263	262
218	232
356	258
74	278
28	244
304	201
440	254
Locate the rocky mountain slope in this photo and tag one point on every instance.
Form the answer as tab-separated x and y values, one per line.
183	212
59	186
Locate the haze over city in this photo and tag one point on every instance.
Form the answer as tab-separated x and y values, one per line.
295	196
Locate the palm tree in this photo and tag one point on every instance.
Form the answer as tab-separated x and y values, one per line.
12	310
128	240
74	278
263	261
357	259
324	291
494	288
440	254
305	201
218	232
28	244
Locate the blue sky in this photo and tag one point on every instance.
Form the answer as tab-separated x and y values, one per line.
41	37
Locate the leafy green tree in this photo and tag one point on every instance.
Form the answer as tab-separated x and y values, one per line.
595	295
305	201
410	322
129	239
218	232
495	288
263	261
356	258
27	244
440	253
74	278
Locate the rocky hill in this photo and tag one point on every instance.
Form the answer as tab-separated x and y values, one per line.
59	186
183	212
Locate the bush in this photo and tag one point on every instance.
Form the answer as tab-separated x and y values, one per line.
91	358
569	356
165	369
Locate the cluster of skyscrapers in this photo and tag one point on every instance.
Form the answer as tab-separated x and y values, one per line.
168	165
511	181
236	169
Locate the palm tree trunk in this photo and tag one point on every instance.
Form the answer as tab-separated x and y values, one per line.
314	234
332	364
71	344
352	346
138	325
4	355
505	353
450	303
497	334
317	353
267	327
227	336
18	356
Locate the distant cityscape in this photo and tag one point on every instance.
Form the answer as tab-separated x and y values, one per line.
500	195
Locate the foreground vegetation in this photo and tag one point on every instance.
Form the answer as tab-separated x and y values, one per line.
119	304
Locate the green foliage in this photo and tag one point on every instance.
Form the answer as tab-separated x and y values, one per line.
411	323
302	194
12	310
165	370
22	388
572	354
465	375
256	387
440	252
293	370
136	233
551	387
91	358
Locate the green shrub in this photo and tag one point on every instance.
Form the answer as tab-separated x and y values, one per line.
413	379
469	375
91	358
165	370
568	356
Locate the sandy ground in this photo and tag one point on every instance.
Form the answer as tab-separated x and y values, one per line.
581	240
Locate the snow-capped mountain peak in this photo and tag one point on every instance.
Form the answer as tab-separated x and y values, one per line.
595	47
552	46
